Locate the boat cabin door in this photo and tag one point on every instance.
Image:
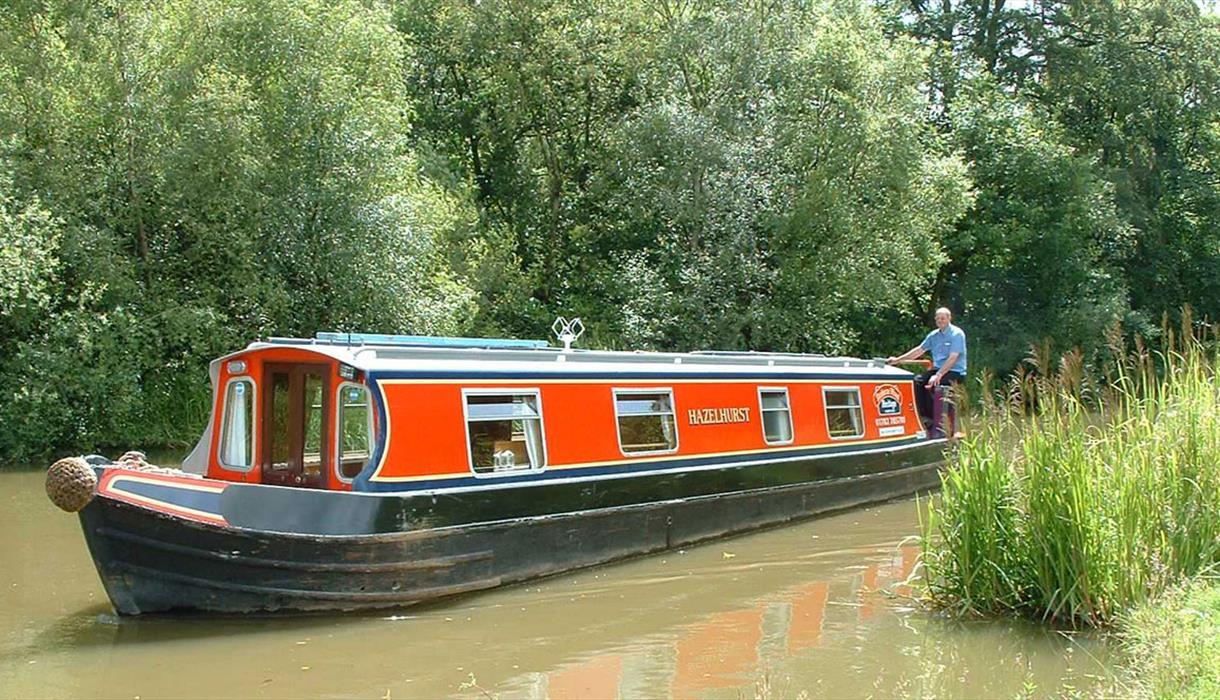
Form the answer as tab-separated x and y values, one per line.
296	406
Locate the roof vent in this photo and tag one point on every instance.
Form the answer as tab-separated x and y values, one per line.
567	331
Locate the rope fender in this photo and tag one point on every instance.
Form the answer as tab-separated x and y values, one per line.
71	484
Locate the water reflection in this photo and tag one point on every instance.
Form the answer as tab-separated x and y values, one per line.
771	647
820	608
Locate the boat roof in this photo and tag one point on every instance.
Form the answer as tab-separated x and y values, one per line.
386	354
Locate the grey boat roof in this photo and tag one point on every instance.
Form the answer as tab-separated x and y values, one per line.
393	354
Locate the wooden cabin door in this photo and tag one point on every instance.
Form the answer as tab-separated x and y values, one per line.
296	410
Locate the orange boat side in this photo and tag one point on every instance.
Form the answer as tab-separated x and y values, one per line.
427	427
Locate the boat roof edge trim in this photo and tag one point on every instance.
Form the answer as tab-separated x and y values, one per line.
428	341
534	358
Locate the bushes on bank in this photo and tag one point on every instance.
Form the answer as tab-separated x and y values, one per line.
1088	508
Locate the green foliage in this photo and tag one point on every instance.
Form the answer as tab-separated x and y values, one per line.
691	175
1090	127
188	176
178	178
1039	254
29	240
1174	643
1136	83
1080	516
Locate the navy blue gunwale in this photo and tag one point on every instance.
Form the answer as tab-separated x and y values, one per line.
634	467
171	494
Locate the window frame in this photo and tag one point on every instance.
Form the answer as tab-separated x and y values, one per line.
511	391
826	407
338	457
252	427
618	426
762	411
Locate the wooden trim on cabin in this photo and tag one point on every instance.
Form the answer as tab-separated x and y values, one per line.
294	474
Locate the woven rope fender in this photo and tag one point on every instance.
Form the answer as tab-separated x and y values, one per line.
71	483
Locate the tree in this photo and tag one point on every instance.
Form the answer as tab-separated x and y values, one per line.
217	171
689	174
1134	89
1039	254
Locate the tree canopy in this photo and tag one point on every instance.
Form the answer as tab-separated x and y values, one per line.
178	178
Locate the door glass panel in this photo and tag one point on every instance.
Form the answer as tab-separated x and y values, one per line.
278	440
312	461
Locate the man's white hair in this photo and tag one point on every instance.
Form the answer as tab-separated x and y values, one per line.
945	310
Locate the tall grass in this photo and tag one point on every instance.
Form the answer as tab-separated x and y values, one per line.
1072	502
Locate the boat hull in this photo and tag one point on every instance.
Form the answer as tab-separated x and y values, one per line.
389	550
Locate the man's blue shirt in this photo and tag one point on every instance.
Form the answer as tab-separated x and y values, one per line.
944	343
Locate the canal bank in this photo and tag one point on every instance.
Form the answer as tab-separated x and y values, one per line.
819	607
1093	505
1174	643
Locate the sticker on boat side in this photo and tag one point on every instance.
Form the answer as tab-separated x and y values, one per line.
890	420
889	400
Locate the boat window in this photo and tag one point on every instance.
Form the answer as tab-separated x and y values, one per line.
505	432
237	430
776	416
355	422
844	417
646	421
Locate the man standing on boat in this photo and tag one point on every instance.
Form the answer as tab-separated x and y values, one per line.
948	347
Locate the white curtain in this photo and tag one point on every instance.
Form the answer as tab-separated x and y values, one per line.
237	446
533	441
779	424
667	429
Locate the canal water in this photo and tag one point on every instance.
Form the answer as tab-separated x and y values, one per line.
817	609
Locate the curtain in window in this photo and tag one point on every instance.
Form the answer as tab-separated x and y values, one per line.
667	429
533	442
236	451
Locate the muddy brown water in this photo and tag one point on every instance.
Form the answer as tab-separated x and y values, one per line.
821	608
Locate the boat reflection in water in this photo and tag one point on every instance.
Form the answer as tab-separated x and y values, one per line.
726	651
853	633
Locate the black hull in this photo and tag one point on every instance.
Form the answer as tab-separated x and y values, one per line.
153	562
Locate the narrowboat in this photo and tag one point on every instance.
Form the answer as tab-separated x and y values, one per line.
355	471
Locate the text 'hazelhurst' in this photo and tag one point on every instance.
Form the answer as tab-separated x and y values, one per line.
717	416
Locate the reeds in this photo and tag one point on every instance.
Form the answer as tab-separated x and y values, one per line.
1074	502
